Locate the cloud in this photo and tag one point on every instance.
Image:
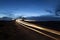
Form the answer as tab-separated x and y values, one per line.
7	14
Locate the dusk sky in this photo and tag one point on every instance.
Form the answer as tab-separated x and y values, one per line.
27	8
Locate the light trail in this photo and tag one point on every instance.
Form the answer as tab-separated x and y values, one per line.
37	31
41	28
30	20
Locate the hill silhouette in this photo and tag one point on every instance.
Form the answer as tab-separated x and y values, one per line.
6	19
45	18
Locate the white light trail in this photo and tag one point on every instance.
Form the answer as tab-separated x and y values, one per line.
41	28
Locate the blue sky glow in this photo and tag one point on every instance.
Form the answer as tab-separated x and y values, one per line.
15	8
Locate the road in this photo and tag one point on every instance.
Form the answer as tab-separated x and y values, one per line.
52	34
16	30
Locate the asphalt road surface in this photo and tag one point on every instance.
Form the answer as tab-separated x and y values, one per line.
13	31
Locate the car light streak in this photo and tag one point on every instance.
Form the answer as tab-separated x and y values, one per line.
41	28
36	31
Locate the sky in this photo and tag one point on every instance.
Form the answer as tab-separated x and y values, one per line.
27	8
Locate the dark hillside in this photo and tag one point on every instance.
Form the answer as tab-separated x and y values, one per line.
7	30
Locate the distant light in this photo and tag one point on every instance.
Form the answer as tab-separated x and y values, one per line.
13	19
